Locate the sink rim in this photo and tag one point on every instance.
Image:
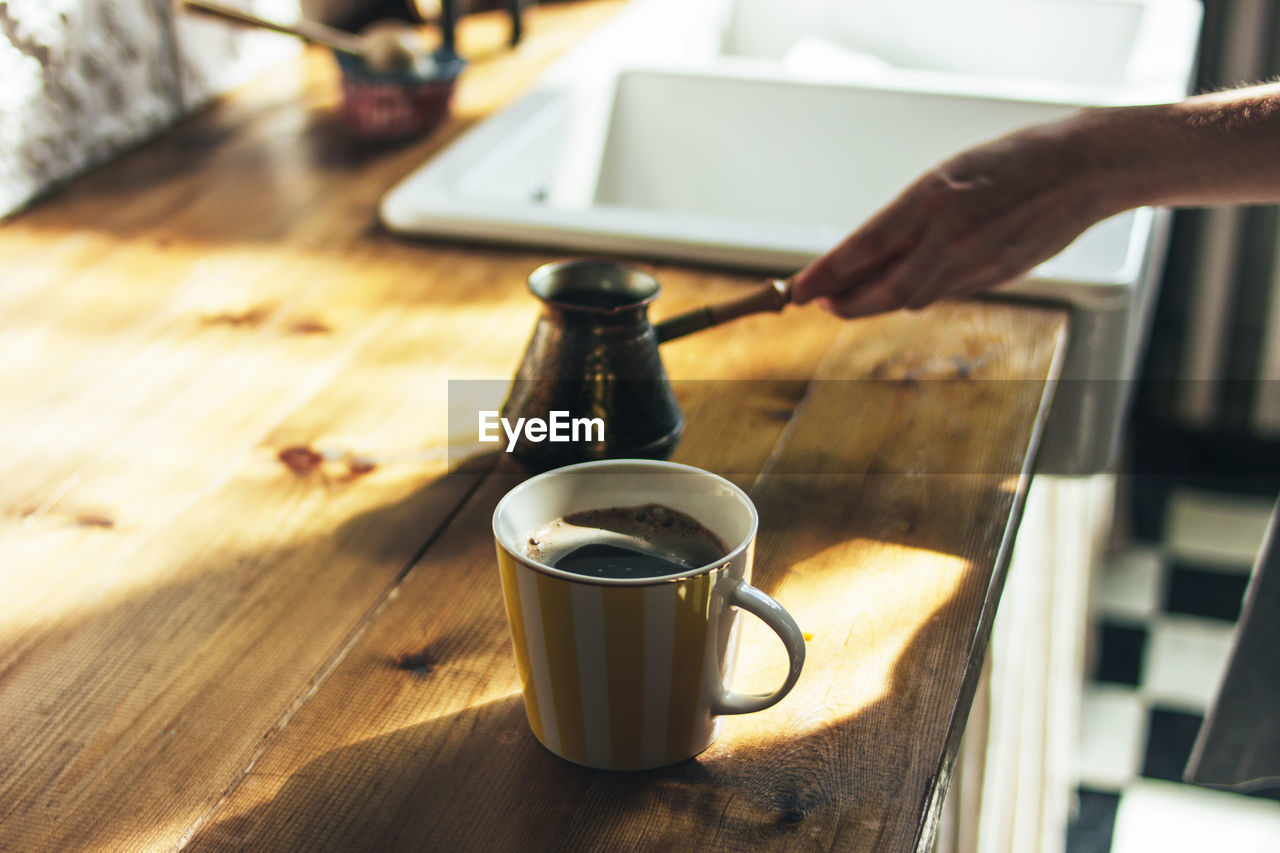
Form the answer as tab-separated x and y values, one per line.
1153	72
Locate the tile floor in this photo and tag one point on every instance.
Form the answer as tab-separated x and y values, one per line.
1165	612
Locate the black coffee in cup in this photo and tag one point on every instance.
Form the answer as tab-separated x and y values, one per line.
648	541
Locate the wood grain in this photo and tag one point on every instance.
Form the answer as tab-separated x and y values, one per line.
177	328
894	572
250	594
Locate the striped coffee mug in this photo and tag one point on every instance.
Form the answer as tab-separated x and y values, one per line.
629	674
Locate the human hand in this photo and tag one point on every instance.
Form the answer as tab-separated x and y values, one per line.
977	220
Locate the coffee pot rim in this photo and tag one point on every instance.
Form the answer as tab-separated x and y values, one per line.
617	276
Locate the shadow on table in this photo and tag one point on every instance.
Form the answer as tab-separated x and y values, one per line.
478	780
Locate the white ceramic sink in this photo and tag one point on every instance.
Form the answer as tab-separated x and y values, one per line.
757	133
727	167
740	133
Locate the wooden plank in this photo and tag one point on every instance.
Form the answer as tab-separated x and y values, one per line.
190	584
177	334
893	567
158	649
914	524
135	336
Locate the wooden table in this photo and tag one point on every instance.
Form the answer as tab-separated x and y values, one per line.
249	605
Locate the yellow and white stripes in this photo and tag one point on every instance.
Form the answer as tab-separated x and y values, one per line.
615	677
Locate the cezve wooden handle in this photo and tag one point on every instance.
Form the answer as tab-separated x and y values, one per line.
773	295
312	31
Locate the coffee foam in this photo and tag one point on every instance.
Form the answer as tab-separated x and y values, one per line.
651	528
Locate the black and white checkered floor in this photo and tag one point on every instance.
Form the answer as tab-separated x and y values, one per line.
1165	612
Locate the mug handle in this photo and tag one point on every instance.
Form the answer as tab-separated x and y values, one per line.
745	596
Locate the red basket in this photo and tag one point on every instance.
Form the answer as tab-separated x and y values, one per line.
395	105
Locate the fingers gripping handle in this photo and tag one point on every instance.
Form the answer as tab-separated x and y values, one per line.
755	602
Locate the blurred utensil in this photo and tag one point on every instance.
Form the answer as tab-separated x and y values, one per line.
384	46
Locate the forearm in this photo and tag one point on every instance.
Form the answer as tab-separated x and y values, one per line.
995	211
1222	148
